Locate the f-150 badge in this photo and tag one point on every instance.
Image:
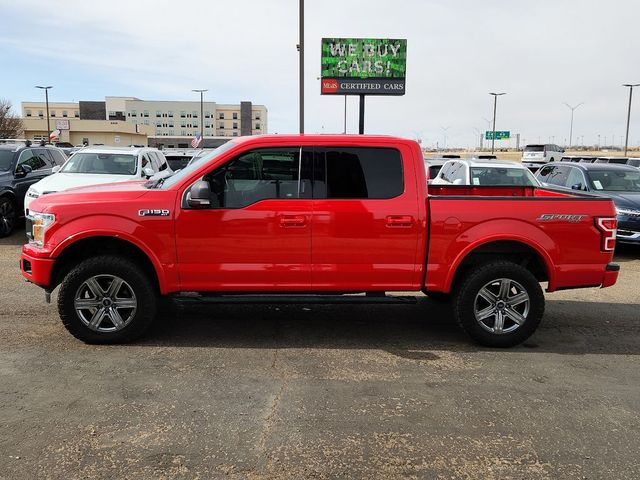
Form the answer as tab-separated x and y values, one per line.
146	212
547	217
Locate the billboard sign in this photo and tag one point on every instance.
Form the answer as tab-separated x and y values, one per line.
488	135
363	66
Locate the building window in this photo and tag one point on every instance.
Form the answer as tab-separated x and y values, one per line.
158	124
257	125
195	114
64	113
235	115
207	114
183	124
195	125
170	124
158	114
146	122
195	132
76	114
235	134
235	125
53	113
257	115
188	115
222	125
134	113
183	114
183	133
158	132
171	132
28	113
40	114
221	116
146	113
170	114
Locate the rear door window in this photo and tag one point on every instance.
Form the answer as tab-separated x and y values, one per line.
357	172
575	179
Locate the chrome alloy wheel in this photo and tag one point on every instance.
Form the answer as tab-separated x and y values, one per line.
105	303
501	306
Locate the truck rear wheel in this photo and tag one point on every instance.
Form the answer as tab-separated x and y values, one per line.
107	299
499	304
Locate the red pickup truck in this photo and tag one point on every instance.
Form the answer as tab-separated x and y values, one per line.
314	219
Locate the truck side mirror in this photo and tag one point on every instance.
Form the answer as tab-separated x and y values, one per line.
200	195
148	172
22	171
576	186
56	169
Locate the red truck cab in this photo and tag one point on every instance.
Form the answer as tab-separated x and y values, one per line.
314	218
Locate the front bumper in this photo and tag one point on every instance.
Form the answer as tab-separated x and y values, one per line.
36	269
628	229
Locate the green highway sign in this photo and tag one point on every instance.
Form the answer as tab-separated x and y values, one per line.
488	135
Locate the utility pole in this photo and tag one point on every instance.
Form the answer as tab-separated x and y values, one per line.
630	86
46	99
571	128
201	111
495	105
301	51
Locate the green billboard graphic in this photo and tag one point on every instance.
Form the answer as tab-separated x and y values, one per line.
363	66
500	135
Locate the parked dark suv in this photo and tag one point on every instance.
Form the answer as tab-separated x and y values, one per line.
621	183
20	167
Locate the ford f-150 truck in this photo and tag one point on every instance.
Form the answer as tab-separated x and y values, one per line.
314	219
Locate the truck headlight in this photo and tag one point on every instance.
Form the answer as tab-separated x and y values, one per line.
39	224
31	193
627	211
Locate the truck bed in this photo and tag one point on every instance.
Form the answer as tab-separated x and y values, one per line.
497	191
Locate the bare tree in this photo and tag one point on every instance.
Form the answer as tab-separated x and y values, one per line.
10	124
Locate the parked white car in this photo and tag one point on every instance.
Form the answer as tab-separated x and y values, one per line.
469	171
542	153
97	165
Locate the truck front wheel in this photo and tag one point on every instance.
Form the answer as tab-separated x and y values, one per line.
107	299
499	304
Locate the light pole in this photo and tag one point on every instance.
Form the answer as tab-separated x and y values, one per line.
301	52
571	128
444	130
495	105
630	86
344	129
201	92
46	99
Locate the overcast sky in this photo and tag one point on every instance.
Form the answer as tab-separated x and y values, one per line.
542	53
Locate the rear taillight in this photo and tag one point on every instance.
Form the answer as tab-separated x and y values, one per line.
607	227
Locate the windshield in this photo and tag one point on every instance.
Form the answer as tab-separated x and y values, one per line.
502	176
615	180
101	163
6	159
433	171
534	148
195	163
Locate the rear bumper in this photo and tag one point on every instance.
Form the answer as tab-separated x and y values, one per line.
611	272
35	269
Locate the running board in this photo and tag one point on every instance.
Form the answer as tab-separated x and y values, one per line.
193	297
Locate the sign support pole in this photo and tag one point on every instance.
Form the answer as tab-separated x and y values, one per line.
361	126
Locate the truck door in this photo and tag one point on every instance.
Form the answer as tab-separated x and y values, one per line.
256	234
365	225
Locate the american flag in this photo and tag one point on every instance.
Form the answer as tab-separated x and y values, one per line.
197	140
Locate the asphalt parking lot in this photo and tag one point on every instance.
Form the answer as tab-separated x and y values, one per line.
322	392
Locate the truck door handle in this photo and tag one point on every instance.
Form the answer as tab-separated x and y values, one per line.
293	221
399	221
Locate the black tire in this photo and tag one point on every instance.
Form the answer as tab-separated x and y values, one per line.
137	288
440	297
468	299
8	216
